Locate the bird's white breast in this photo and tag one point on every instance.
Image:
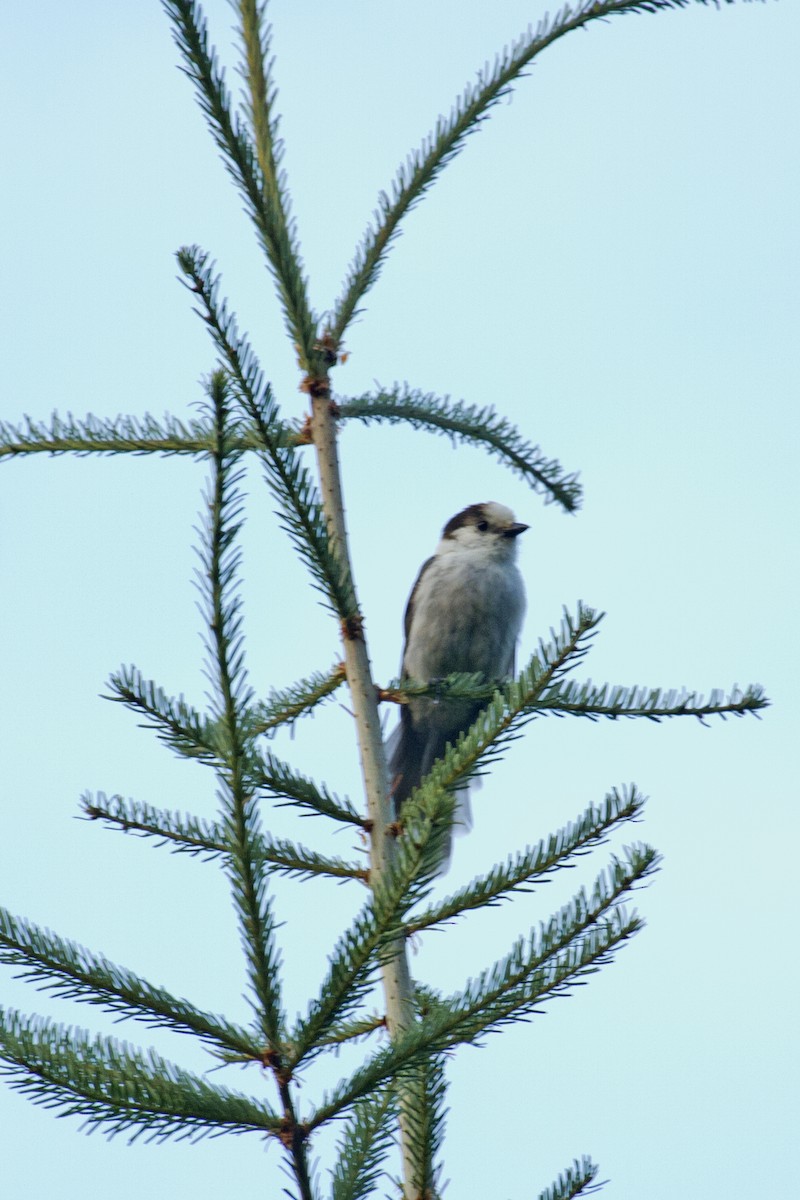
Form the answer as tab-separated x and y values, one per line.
467	613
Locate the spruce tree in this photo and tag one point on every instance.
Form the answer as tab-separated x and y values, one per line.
398	1031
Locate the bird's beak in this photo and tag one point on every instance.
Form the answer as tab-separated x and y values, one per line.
515	530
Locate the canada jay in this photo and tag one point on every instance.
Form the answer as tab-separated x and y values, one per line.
464	614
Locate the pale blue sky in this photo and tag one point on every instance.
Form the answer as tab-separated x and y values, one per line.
613	263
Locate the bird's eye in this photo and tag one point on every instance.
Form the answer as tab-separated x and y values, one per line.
483	526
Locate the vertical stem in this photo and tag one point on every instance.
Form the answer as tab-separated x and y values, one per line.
397	985
241	816
294	1142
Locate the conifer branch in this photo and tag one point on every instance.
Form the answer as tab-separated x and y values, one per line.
192	735
577	1180
183	833
119	435
74	973
423	1106
275	778
286	706
301	513
471	424
241	823
461	1020
590	829
540	690
569	946
574	944
264	195
119	1088
371	937
351	1031
350	976
592	701
186	834
125	1089
175	721
461	685
516	985
423	166
363	1147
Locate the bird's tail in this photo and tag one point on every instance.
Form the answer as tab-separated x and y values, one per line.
407	753
405	750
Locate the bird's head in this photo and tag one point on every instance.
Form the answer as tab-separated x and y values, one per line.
489	529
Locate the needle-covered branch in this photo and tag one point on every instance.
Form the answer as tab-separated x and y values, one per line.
540	690
402	1076
423	166
461	685
73	972
175	721
226	670
241	821
613	701
185	834
350	976
351	1031
285	707
577	1180
119	1088
538	863
300	507
422	1103
363	1148
273	777
468	423
360	949
192	735
591	700
571	945
574	945
119	435
264	194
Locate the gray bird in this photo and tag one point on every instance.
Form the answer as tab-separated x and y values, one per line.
464	614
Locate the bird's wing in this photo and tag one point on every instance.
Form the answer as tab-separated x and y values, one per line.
409	613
